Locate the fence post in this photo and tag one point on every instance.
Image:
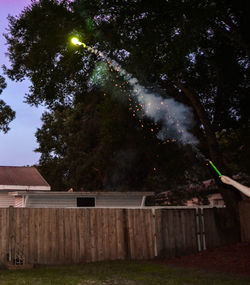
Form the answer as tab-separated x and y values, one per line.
198	228
11	234
154	229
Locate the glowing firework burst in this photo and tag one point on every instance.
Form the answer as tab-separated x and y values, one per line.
175	118
75	41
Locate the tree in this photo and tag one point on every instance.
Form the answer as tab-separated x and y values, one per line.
190	41
6	113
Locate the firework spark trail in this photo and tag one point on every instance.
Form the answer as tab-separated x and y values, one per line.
175	118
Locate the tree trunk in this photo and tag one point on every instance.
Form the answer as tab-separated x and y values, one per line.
229	194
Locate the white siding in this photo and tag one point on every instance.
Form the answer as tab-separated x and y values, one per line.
51	201
6	200
118	201
61	201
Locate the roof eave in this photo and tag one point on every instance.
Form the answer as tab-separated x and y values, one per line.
25	188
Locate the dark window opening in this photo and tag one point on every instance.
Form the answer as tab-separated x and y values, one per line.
85	202
150	201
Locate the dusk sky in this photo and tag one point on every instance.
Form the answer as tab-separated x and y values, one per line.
17	146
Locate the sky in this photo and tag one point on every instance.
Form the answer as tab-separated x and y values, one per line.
18	145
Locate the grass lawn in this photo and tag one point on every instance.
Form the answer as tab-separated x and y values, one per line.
117	273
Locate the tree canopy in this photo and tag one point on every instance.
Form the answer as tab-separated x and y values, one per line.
6	113
196	52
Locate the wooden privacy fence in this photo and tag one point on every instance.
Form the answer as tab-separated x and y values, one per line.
62	236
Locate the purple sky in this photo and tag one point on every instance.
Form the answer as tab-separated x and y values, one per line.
17	146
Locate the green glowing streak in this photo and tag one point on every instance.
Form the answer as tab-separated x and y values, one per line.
214	167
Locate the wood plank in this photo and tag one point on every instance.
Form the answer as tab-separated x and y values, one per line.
126	234
61	236
25	233
210	228
68	253
36	238
135	230
142	236
80	233
162	226
92	224
3	235
44	229
184	215
120	234
145	221
150	234
177	233
131	233
100	233
180	247
19	233
134	237
43	237
12	231
77	230
6	241
172	232
39	218
112	234
84	235
87	234
74	244
145	248
189	230
54	236
31	237
192	236
158	231
49	236
107	234
137	242
165	235
57	236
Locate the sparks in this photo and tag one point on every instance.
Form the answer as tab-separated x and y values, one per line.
75	41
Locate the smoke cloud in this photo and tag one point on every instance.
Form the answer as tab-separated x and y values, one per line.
175	118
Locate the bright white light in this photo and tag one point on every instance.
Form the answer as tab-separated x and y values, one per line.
75	41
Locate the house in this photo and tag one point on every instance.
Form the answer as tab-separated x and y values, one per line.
207	188
214	200
98	199
25	187
22	179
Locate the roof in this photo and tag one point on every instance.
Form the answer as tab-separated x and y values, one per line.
21	178
96	193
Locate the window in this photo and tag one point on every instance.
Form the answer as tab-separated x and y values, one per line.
85	201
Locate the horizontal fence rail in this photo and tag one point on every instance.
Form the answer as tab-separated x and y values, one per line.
66	236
